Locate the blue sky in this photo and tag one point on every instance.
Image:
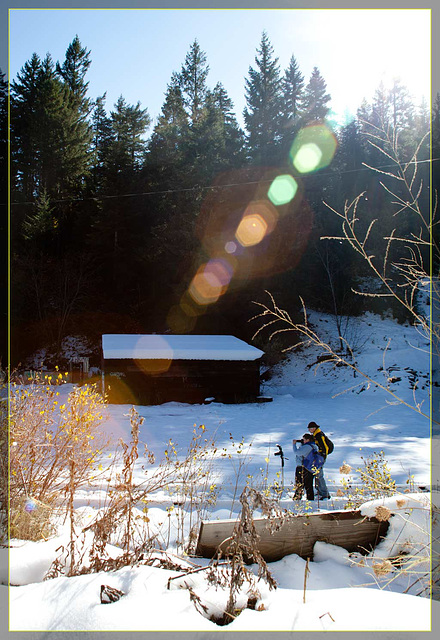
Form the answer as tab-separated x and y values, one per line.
134	52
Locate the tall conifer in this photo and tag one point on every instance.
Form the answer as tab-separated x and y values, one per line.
316	98
263	111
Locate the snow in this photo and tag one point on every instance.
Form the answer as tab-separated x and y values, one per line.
344	591
177	347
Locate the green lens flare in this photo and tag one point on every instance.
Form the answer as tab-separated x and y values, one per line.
307	158
313	148
282	190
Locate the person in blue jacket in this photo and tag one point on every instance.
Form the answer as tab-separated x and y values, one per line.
303	477
319	439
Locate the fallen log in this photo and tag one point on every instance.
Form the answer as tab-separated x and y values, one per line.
297	534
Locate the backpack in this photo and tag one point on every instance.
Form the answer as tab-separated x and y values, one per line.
329	443
313	460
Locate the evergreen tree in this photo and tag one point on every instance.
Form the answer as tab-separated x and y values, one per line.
233	134
421	119
292	104
348	161
77	130
129	124
193	82
401	107
120	223
103	138
164	158
293	93
73	71
380	112
215	142
316	98
24	127
263	112
50	134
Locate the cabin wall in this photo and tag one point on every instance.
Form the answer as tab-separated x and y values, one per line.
158	381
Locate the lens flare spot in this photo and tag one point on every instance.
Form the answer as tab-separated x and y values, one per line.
307	158
251	230
159	365
314	148
230	247
282	190
179	321
259	219
211	281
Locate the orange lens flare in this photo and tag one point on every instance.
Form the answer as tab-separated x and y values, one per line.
251	230
211	281
153	366
259	220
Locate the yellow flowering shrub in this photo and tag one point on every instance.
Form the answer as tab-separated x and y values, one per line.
53	444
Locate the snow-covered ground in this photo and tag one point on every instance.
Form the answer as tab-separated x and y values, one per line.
343	591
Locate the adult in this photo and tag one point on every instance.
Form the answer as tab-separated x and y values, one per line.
303	477
319	439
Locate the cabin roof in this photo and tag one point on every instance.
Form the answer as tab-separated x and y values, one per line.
177	347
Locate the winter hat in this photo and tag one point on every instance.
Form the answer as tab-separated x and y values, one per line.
307	436
313	425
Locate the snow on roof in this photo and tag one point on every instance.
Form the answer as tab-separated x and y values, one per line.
177	347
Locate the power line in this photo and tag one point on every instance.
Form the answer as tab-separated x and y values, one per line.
211	187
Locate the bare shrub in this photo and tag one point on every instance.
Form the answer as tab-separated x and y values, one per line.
123	520
47	440
242	548
374	481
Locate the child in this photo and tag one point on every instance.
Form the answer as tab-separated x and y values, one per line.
303	477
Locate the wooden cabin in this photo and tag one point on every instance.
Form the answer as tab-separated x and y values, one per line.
152	369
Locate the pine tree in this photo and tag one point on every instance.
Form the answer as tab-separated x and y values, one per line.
40	223
73	71
193	82
401	107
351	153
24	127
50	135
421	118
77	130
380	112
129	124
164	157
263	113
316	98
292	104
233	134
103	138
293	93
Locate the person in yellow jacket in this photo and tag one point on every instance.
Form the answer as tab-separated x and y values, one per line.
319	439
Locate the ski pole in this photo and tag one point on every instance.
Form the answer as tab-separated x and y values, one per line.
280	453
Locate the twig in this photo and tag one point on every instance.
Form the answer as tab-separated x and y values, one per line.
306	573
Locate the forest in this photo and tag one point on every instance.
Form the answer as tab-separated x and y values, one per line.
118	224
